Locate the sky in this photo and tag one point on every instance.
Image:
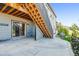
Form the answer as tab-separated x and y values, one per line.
67	13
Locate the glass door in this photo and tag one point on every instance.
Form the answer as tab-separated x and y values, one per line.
18	29
30	31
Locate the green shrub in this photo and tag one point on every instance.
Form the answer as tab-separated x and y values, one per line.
75	46
67	38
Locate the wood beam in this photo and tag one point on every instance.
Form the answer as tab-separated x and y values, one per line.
3	8
10	10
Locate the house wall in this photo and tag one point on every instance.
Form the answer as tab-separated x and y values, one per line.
52	19
5	31
44	13
39	34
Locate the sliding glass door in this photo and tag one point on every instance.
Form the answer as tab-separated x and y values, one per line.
18	29
30	31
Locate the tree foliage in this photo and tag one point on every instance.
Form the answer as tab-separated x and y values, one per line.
66	30
62	29
75	30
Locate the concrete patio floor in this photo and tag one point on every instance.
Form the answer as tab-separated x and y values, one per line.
30	47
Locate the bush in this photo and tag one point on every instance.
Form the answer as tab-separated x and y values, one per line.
75	46
67	38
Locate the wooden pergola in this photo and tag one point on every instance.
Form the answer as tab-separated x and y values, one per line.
26	11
